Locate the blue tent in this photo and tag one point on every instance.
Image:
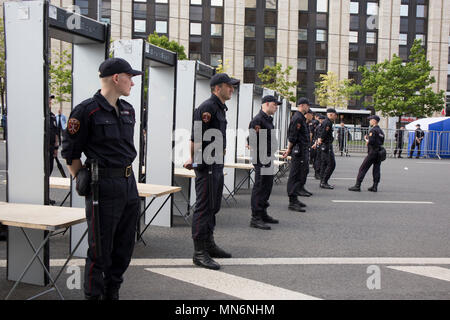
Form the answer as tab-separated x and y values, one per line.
436	143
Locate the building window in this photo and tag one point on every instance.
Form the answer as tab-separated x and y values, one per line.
270	32
301	64
371	37
269	61
216	59
322	6
249	61
303	5
404	10
372	9
196	29
199	2
321	35
353	37
354	7
302	34
421	11
353	66
140	25
271	4
161	27
249	31
250	3
216	30
403	39
321	64
217	3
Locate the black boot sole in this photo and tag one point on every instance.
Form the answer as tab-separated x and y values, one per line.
295	208
200	264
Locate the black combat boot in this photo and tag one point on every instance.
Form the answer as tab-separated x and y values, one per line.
202	258
317	176
296	205
257	222
325	185
111	294
214	250
268	219
304	190
373	188
356	187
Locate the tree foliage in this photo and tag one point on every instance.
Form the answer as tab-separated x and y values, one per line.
61	75
401	89
332	92
163	42
276	79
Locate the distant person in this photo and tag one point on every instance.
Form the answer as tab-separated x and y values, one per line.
342	135
418	137
399	136
61	122
54	140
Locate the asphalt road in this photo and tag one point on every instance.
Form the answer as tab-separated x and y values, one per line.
411	240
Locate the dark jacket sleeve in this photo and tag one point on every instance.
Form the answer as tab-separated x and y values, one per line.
75	134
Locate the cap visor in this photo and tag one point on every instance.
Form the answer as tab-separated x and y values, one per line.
279	102
234	82
135	73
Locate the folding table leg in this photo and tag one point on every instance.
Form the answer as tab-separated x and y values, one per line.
157	212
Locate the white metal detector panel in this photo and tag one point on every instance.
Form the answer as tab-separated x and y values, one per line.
24	24
159	139
230	156
86	59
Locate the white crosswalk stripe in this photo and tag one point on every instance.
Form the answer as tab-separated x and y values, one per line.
426	271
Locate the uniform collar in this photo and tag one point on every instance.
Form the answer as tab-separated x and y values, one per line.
104	103
266	116
219	103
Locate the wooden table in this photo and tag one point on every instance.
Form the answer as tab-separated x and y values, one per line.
240	166
40	217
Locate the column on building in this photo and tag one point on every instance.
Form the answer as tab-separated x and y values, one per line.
338	38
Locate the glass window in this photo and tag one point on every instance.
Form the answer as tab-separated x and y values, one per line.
250	3
216	30
216	44
370	63
140	10
250	16
77	1
249	76
302	49
353	51
196	28
321	50
302	34
195	44
217	3
161	26
372	8
161	11
216	14
195	56
354	7
303	20
403	52
271	4
371	37
404	25
270	18
353	66
270	32
161	1
249	61
196	2
250	46
321	35
371	52
196	13
139	25
420	26
353	37
269	61
404	10
354	22
303	5
421	11
321	20
421	37
321	64
322	5
215	59
403	39
301	64
249	31
270	48
302	78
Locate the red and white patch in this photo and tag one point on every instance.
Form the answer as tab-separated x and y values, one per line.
73	125
299	125
257	128
206	117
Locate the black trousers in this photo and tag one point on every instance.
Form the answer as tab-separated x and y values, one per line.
370	159
118	211
328	162
317	160
398	148
298	173
51	159
208	189
262	188
413	148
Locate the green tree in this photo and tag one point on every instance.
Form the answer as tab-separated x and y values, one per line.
163	42
331	91
399	89
61	75
276	79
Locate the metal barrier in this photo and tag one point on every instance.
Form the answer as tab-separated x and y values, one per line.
435	144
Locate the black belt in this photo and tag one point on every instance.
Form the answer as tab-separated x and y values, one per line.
115	172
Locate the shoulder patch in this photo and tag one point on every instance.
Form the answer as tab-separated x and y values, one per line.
73	125
299	125
206	117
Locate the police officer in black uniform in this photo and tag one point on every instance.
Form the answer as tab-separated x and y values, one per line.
325	142
298	137
312	131
54	139
374	141
102	128
418	137
399	136
261	127
315	147
209	169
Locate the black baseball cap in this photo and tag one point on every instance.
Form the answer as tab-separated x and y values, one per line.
112	66
303	101
270	98
52	96
374	117
331	110
310	111
322	117
219	78
418	125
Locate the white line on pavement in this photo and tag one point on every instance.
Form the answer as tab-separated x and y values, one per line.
382	201
272	261
432	162
431	272
231	285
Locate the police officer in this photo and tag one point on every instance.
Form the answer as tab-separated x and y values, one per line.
209	116
418	137
312	129
298	146
325	142
260	127
374	141
102	128
315	147
399	134
54	139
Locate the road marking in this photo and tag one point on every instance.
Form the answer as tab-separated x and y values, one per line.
381	201
271	261
432	162
231	285
430	271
